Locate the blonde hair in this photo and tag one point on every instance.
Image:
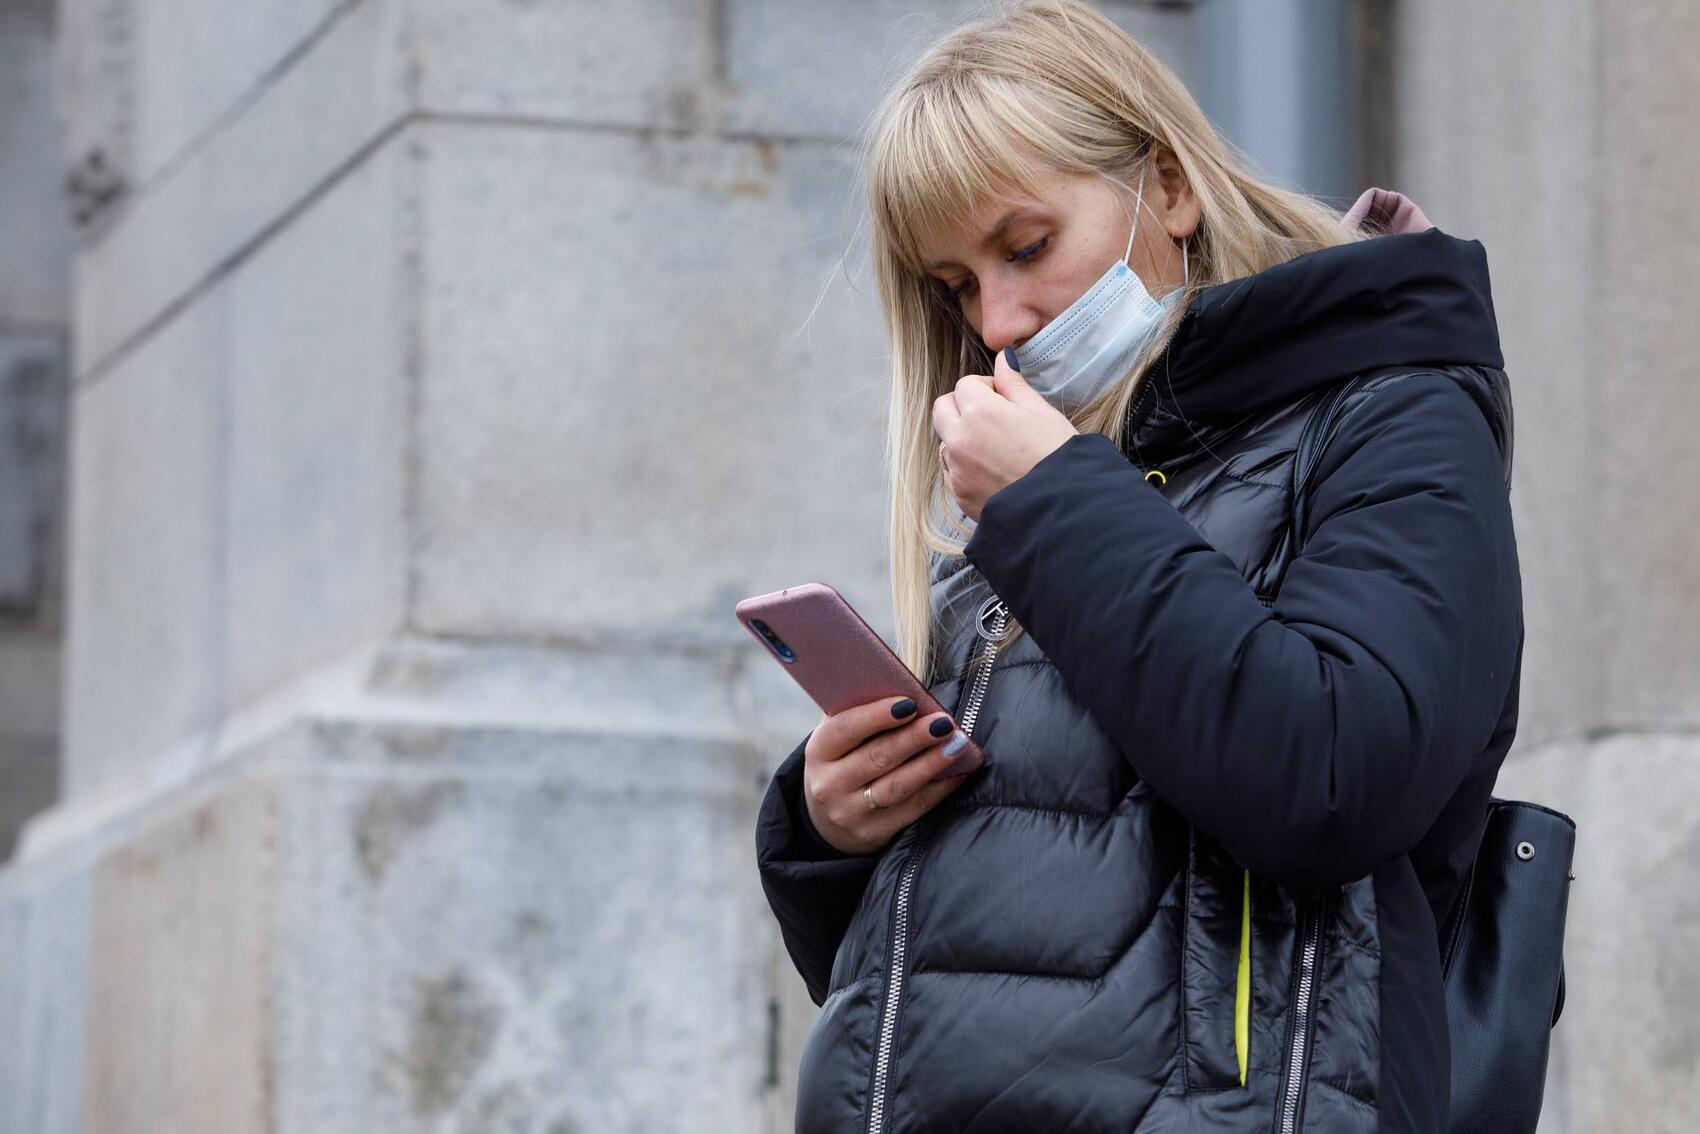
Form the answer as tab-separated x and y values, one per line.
1057	83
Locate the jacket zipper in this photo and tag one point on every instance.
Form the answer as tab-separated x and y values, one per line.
1298	1025
989	627
894	989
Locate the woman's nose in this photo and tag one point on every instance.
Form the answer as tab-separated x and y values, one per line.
1006	317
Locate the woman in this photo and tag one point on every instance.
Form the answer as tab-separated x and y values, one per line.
1238	625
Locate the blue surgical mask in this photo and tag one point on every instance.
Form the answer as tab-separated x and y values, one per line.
1083	353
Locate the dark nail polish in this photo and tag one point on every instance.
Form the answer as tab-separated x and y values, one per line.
903	708
941	726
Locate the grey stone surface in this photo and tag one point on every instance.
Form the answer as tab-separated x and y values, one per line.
97	73
769	67
1503	154
1647	379
369	925
44	1023
205	58
34	231
144	630
642	63
179	952
240	486
240	187
204	62
520	930
309	89
314	452
637	329
1626	1051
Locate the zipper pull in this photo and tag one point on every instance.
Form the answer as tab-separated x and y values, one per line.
993	619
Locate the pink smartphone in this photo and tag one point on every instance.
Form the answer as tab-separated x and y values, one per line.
837	657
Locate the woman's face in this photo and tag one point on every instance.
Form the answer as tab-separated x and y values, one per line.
1018	263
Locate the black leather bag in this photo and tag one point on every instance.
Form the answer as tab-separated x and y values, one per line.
1502	951
1502	947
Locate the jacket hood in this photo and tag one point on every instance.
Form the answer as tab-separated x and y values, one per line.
1409	295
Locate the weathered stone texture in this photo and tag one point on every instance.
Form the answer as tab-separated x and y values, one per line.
180	944
1626	1051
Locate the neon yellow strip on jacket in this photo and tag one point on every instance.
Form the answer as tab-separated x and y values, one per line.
1242	984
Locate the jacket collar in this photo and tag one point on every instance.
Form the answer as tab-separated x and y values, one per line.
1408	295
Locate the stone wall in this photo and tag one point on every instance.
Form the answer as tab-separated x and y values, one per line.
1560	135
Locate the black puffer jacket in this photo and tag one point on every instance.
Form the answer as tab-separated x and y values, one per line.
1206	706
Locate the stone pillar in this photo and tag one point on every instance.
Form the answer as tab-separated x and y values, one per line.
444	372
1560	134
35	300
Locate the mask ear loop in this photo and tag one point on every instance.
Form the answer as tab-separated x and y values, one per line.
1138	204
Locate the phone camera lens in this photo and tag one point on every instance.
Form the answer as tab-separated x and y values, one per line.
773	640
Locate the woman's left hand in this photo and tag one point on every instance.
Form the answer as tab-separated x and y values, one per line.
994	430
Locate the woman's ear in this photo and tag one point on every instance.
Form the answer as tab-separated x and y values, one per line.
1181	210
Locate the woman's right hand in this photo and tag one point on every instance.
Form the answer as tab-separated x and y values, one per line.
867	745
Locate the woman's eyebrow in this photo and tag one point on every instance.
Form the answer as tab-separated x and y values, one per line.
998	232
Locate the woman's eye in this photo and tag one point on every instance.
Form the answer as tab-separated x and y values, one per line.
954	294
1031	249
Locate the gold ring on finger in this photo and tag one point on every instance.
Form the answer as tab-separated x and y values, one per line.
868	792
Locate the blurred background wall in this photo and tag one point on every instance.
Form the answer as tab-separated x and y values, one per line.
397	395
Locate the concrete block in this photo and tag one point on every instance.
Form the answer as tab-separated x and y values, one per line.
144	630
1500	155
643	63
1626	1051
239	506
44	1024
316	424
35	284
501	929
384	926
639	330
146	83
768	67
1647	377
206	60
180	948
296	136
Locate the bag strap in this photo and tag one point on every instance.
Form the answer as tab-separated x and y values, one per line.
1313	440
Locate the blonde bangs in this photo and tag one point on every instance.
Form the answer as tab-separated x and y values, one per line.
948	146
